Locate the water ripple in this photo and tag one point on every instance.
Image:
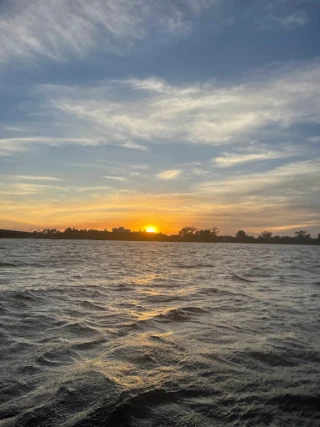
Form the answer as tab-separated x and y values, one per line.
96	333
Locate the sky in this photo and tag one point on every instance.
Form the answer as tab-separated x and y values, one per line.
167	113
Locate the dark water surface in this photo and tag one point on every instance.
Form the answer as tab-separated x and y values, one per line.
97	333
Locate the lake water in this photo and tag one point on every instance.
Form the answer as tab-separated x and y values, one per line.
98	333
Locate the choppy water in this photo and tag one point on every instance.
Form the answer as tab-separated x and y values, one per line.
97	333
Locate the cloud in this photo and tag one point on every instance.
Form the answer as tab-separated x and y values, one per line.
36	178
116	178
26	189
271	14
287	21
12	145
293	20
200	172
134	114
7	128
314	139
61	30
141	167
251	212
57	29
91	188
232	159
169	174
268	104
296	182
134	146
282	198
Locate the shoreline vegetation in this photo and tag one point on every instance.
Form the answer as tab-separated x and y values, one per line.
186	234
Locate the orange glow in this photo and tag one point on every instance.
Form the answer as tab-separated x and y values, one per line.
151	229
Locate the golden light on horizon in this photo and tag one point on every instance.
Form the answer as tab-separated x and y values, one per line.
151	229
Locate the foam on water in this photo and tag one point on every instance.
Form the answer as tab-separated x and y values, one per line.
98	333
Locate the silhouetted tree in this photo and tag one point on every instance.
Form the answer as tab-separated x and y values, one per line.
302	235
266	235
205	234
241	235
187	231
214	231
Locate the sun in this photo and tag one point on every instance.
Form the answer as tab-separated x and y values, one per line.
151	229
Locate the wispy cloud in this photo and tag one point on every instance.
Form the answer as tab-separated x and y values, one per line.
116	178
155	110
284	210
314	139
287	21
134	146
26	189
232	159
16	144
99	188
295	19
169	174
289	182
36	178
57	29
8	128
270	14
133	114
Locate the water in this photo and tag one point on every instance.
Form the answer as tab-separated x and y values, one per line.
97	333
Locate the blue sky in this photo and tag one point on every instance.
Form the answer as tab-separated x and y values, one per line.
164	113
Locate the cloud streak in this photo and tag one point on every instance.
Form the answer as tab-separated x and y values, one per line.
141	111
296	180
271	14
276	210
57	29
61	30
36	178
232	159
116	178
169	174
9	146
27	189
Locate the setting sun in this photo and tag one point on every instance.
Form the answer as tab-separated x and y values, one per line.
151	229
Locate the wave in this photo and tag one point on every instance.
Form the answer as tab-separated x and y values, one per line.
21	264
72	403
75	330
182	314
287	357
297	402
144	405
7	264
194	266
242	279
90	305
62	356
175	315
165	338
164	298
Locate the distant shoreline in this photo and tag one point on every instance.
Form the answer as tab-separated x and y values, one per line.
155	237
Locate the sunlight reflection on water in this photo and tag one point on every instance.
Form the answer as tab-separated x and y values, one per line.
158	334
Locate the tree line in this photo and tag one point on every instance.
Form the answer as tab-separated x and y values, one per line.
266	236
186	234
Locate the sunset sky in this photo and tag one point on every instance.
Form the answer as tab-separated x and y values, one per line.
160	113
